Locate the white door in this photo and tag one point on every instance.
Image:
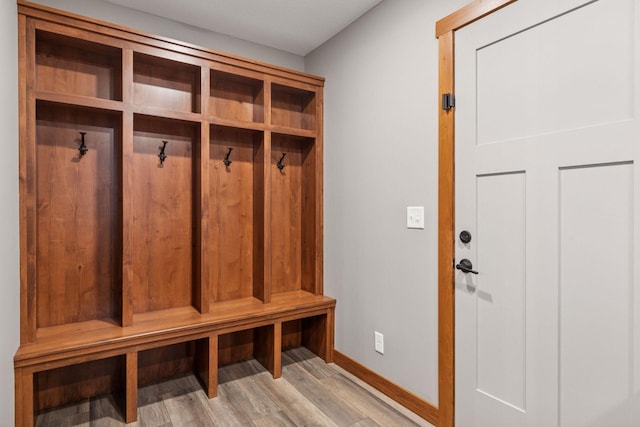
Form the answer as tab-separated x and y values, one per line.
548	186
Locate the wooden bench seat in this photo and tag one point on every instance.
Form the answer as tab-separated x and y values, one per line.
73	344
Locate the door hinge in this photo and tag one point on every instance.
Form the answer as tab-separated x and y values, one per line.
448	101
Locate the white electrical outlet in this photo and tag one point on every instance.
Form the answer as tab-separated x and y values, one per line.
415	217
379	342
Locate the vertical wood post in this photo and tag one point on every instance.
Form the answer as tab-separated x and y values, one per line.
131	399
446	211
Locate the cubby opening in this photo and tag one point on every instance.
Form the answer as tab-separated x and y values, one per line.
236	213
77	67
163	363
166	84
163	210
294	235
257	343
68	384
78	217
235	97
307	332
292	107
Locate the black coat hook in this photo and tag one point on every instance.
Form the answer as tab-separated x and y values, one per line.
226	160
280	165
162	155
83	148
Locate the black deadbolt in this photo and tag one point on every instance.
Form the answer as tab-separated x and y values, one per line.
465	236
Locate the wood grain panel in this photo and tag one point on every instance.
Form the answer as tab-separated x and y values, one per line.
128	230
318	223
79	67
24	397
162	213
293	215
310	223
78	240
446	250
72	383
293	107
166	84
235	347
161	363
291	334
316	336
131	383
27	182
207	364
264	347
232	227
262	219
201	198
236	97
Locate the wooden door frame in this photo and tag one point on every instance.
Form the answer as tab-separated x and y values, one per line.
445	32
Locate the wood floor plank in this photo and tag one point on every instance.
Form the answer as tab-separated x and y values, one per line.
226	415
276	419
69	415
151	409
296	406
366	402
340	412
303	357
310	393
244	394
368	423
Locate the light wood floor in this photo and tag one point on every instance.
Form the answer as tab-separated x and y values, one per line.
310	393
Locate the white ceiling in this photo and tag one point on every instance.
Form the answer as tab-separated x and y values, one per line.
296	26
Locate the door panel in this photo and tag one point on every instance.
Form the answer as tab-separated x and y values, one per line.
542	86
500	302
547	184
596	294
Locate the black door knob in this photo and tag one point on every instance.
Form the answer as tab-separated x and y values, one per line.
466	266
465	236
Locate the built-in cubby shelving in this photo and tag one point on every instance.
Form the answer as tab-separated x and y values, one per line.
236	213
236	97
78	244
294	189
171	213
163	83
162	212
293	107
75	66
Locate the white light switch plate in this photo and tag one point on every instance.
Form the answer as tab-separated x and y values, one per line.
415	217
379	342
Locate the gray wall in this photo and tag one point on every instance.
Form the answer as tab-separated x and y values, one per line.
109	12
380	157
9	244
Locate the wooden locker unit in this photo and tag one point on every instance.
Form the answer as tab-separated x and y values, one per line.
171	212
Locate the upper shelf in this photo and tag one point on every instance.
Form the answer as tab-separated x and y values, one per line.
77	67
293	107
166	84
236	97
